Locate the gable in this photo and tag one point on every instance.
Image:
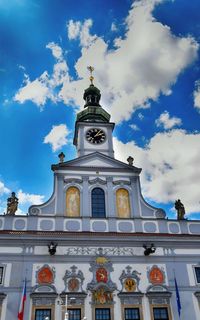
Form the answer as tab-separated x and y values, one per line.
97	160
95	163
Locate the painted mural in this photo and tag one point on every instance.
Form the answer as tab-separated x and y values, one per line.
123	203
73	202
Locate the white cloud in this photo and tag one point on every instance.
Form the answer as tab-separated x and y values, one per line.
20	212
167	175
140	116
166	122
3	189
25	198
42	88
81	31
57	137
134	127
37	91
113	27
56	50
146	62
197	95
73	29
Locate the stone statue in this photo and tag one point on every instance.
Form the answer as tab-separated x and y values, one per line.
61	157
180	209
12	204
130	160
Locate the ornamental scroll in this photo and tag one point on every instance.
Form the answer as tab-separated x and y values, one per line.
130	280
73	280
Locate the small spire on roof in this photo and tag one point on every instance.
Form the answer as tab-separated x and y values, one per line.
91	69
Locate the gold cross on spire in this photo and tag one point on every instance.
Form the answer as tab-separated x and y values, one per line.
91	69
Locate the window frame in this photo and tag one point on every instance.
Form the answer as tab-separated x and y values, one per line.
106	306
167	306
195	275
157	308
3	267
131	308
41	309
103	308
71	309
91	197
43	306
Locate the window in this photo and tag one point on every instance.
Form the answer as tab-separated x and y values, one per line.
74	314
102	314
197	273
160	314
1	275
43	314
131	314
98	203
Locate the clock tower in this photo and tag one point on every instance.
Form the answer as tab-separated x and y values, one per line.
93	129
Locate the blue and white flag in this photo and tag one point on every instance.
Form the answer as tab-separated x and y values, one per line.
178	301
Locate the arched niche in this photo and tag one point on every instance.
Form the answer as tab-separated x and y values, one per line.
123	203
73	202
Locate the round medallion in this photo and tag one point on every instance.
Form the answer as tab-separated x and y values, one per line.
95	136
130	285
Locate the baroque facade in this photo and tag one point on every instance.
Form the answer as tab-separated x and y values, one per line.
96	247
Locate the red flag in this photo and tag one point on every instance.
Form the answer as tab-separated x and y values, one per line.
22	304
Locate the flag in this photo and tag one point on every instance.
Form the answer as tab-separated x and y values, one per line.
22	304
178	301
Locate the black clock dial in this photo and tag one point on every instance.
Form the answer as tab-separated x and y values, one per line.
95	135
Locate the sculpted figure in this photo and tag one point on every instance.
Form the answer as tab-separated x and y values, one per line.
180	209
12	204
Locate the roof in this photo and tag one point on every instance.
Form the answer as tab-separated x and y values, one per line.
96	160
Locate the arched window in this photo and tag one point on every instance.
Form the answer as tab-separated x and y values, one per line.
98	203
73	202
123	203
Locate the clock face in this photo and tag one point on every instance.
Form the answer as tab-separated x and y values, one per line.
95	135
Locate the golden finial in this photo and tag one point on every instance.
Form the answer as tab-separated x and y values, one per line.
91	69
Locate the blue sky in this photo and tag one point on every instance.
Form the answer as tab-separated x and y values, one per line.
146	59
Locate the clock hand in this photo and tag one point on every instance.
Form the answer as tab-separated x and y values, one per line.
99	133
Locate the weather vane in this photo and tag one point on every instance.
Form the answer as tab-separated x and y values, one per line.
91	69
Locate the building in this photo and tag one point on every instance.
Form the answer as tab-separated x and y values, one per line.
96	246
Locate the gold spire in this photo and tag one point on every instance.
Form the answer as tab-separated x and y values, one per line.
91	69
